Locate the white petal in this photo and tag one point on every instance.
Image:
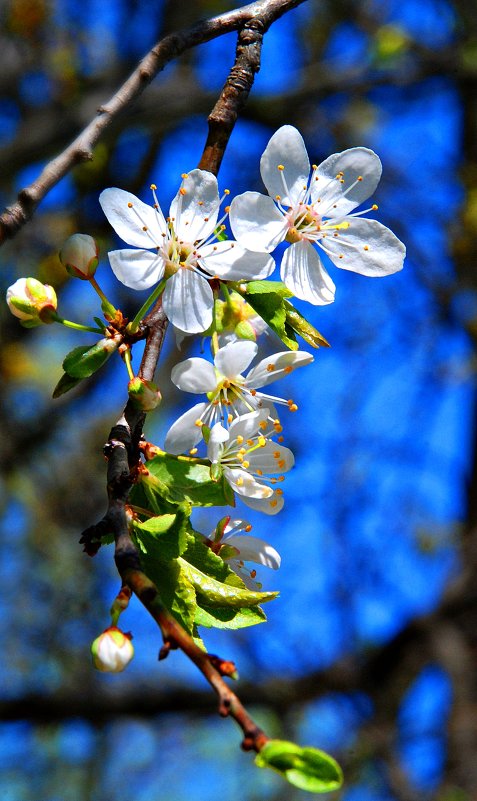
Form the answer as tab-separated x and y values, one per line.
234	358
368	248
276	366
194	375
304	275
129	221
253	549
244	484
247	425
218	435
188	301
270	506
184	434
270	459
137	269
229	260
286	147
256	222
195	212
330	195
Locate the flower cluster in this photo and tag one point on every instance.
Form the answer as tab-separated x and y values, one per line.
215	286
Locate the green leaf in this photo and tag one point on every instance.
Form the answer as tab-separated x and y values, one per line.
307	768
64	385
177	593
268	299
83	361
181	478
165	536
305	329
217	593
228	618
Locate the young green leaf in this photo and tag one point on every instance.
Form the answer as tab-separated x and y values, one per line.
221	617
181	478
164	536
64	385
307	768
83	361
302	327
216	593
268	300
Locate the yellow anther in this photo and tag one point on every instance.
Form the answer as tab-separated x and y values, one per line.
288	369
278	197
281	439
245	464
226	191
239	481
314	166
259	472
281	463
198	423
262	424
153	186
278	428
366	247
281	478
230	417
185	175
129	205
374	207
342	180
193	451
250	442
359	178
278	492
240	457
239	439
276	454
248	528
273	503
144	227
270	367
253	392
341	256
182	191
227	209
280	167
206	219
243	450
253	573
293	407
262	442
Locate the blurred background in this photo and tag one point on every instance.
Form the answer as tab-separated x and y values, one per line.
370	651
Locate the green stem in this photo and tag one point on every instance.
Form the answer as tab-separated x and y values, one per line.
127	362
98	289
142	311
226	292
76	326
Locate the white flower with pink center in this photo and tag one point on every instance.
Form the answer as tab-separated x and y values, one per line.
311	210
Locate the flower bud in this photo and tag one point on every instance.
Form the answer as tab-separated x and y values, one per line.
144	394
112	651
79	255
32	302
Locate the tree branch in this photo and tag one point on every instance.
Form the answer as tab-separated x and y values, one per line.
169	48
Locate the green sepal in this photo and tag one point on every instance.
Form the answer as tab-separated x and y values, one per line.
183	478
83	361
306	768
64	385
31	323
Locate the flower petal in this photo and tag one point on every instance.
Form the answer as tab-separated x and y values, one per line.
230	261
194	375
137	269
276	366
195	208
256	222
270	459
270	506
188	301
331	193
184	434
287	148
247	425
129	221
304	275
253	549
244	484
234	358
367	247
218	435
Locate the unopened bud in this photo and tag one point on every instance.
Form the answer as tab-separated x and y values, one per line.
80	255
32	302
112	651
144	394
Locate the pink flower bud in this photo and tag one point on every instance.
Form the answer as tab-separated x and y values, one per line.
79	255
32	302
144	394
112	651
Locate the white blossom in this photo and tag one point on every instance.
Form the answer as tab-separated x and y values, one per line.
309	210
250	460
31	301
236	548
182	248
229	393
112	651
